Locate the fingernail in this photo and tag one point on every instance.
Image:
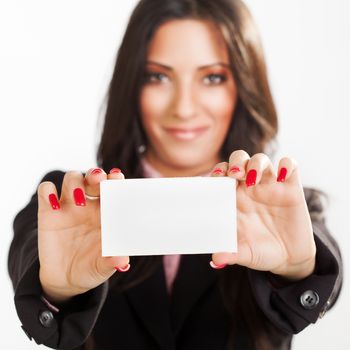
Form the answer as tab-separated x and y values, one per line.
79	197
54	201
217	171
96	171
282	175
251	178
123	269
115	171
214	266
234	169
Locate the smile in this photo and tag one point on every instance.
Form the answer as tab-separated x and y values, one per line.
186	134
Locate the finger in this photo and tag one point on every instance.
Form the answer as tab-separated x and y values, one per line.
287	169
92	180
242	257
219	169
237	164
48	197
73	189
115	173
259	170
107	266
221	259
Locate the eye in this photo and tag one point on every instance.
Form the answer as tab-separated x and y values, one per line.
214	79
154	77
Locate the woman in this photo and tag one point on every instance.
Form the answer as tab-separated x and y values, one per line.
189	96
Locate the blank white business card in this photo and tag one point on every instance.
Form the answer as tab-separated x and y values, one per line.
161	216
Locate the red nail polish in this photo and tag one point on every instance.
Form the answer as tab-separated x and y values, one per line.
282	175
115	171
218	171
251	177
54	201
79	197
217	267
96	171
123	269
234	169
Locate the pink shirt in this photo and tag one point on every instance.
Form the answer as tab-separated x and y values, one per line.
171	262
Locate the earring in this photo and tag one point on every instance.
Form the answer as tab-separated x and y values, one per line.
142	149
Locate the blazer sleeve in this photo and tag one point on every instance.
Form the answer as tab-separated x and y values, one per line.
291	306
71	325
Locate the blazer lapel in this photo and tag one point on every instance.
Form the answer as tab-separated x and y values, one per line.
164	317
194	277
150	301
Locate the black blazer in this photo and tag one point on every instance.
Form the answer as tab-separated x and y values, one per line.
144	317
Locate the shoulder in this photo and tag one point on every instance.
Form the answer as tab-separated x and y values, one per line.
56	177
315	200
53	176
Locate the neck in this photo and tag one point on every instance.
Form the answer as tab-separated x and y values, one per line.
170	170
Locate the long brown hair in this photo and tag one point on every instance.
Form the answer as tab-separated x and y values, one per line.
253	128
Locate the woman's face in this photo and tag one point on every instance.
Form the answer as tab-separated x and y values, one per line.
188	97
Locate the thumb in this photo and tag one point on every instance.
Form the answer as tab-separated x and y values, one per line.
106	266
243	256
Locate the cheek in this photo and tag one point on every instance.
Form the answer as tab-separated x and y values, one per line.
220	104
154	101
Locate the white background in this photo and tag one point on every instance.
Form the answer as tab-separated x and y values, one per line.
56	60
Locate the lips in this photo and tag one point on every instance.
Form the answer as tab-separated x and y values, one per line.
186	133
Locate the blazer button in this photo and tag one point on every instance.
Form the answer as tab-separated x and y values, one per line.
309	299
46	318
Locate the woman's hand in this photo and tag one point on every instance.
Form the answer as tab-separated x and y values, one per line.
274	231
69	236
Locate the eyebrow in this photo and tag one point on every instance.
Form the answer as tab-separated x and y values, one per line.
199	68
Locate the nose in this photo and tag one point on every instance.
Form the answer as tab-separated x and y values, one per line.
184	101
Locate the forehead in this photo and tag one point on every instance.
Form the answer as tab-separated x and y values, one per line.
188	41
